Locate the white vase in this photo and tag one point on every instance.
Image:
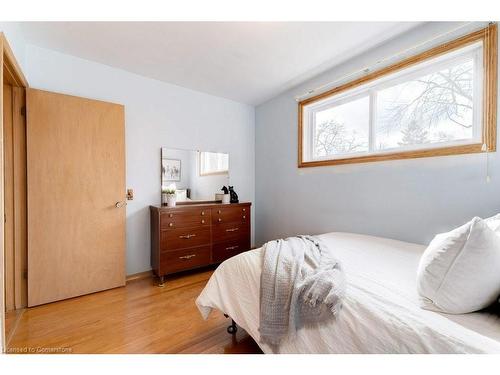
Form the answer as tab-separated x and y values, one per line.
164	198
225	198
171	200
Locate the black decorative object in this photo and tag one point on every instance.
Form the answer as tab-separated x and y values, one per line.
224	190
233	195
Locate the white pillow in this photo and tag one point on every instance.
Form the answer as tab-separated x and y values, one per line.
494	223
459	271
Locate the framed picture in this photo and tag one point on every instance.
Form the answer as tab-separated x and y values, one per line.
171	169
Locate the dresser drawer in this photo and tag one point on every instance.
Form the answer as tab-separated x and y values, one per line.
225	250
184	237
180	260
196	235
238	214
185	218
230	231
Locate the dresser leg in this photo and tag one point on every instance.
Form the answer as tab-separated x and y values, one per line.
161	284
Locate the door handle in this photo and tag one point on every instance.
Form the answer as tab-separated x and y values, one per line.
120	204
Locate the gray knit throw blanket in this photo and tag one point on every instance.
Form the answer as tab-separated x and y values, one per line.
301	285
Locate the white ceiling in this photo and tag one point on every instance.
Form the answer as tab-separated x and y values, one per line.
248	62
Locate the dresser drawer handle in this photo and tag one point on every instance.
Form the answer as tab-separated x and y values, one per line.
188	236
170	224
232	247
202	213
170	215
244	217
232	229
185	257
219	220
203	221
219	211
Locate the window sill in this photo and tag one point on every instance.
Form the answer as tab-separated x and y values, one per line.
443	151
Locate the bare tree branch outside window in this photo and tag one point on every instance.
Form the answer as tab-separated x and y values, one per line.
332	137
446	95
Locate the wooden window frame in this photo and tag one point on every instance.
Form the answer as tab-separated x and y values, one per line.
488	36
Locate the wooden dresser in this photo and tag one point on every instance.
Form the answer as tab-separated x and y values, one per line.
195	235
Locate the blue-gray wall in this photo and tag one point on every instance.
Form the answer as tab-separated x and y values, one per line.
157	115
410	200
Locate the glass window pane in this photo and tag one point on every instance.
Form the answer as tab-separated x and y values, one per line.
342	129
433	108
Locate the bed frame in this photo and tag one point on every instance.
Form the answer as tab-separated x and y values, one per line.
233	328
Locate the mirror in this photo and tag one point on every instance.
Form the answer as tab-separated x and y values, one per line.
195	175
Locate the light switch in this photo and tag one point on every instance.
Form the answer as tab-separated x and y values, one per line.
130	194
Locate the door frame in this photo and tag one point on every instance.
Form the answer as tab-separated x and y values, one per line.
10	69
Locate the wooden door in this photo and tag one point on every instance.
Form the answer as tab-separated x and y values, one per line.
76	177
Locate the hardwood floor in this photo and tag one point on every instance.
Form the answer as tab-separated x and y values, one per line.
138	318
11	320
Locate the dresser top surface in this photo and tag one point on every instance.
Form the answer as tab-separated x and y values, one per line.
200	205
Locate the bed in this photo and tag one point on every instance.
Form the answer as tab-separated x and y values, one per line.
380	312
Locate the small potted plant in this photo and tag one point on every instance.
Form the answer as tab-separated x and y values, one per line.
168	195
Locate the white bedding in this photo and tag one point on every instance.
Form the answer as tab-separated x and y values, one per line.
380	311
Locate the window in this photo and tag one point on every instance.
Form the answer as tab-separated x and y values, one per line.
440	102
213	163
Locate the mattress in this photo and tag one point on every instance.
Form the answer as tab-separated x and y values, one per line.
380	312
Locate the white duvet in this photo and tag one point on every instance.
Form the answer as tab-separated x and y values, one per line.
380	312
